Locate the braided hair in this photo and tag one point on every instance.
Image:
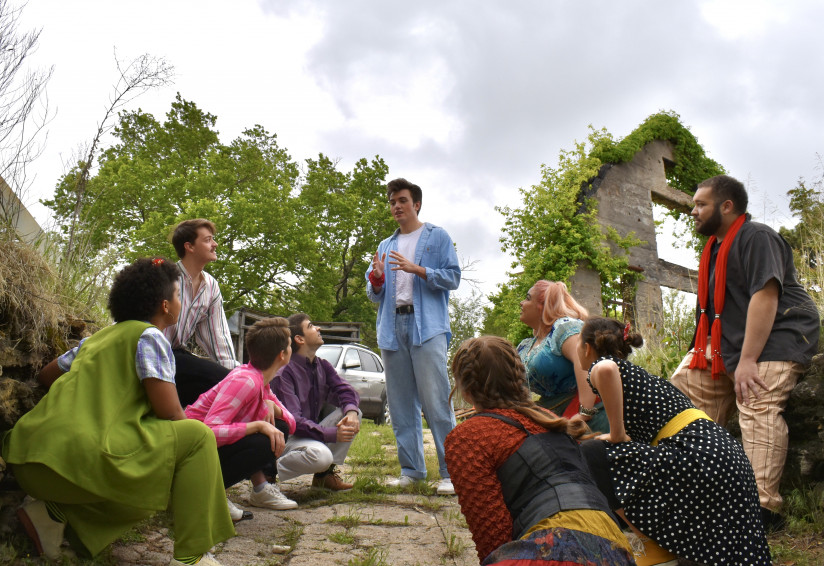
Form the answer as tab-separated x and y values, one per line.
489	372
608	337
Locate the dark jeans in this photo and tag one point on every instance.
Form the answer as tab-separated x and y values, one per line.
195	375
248	455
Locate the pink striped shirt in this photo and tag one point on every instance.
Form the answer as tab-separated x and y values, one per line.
202	316
238	399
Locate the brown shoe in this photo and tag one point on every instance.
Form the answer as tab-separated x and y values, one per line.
330	480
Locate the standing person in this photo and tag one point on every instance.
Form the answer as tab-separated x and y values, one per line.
306	385
413	329
249	422
202	315
757	330
551	355
109	444
521	480
676	476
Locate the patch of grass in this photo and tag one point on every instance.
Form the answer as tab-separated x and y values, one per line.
455	546
800	543
343	537
431	504
455	517
132	536
348	521
375	556
804	510
291	535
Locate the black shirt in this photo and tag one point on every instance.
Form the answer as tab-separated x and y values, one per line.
757	255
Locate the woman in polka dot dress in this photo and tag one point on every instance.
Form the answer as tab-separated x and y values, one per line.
675	475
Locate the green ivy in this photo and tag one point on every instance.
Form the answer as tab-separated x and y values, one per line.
556	227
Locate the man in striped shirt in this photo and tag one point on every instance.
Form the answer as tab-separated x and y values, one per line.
201	315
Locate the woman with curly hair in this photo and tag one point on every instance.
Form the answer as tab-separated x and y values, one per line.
521	481
550	355
109	444
675	475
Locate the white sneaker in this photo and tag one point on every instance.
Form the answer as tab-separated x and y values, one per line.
270	497
45	532
207	559
444	487
236	513
402	482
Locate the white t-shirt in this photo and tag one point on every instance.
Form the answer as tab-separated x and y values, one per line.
403	280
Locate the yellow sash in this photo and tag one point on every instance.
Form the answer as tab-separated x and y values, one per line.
678	422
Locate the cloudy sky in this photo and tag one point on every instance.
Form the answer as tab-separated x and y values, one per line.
467	99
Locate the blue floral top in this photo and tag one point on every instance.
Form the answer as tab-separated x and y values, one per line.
548	372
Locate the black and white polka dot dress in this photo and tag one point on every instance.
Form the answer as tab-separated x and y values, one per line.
694	493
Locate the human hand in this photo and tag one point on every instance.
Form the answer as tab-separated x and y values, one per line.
378	265
747	381
350	419
347	429
400	263
580	417
270	414
614	438
276	439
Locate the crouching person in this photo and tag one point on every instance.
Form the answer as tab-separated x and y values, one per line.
249	422
109	444
305	386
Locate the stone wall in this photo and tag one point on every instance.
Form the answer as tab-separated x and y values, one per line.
625	193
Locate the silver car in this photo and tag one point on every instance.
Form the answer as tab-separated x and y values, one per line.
363	370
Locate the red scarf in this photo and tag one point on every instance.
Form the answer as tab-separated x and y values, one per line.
699	358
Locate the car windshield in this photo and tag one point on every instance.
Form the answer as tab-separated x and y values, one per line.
330	353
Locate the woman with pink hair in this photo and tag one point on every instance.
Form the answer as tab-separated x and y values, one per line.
550	355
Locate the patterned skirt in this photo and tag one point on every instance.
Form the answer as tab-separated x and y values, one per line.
560	547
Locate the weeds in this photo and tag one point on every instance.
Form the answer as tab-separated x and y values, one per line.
375	556
343	537
455	546
291	536
349	521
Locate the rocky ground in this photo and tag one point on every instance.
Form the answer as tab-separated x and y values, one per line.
396	530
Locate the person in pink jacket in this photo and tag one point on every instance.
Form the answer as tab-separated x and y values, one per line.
249	422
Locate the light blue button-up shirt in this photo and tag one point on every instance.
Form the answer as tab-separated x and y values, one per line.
430	297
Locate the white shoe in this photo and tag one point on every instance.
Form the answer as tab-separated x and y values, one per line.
444	487
207	559
236	513
45	532
270	497
402	482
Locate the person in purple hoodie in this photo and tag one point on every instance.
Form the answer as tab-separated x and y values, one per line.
305	386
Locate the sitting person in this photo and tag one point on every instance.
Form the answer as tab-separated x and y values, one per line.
305	386
521	505
677	477
109	444
249	422
201	314
551	358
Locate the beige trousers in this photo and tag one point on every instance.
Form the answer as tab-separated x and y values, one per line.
763	429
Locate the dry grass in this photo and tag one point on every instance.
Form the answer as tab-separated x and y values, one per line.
30	311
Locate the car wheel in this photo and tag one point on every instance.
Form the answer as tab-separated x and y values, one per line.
383	417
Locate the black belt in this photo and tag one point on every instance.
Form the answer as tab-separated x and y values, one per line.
405	309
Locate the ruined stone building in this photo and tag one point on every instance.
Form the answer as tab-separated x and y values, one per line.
625	193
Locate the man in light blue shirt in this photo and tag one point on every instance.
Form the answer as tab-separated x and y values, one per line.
410	279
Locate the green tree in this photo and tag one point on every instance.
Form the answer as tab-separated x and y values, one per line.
350	216
286	242
807	237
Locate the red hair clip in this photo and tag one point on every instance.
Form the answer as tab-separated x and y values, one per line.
157	261
626	331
